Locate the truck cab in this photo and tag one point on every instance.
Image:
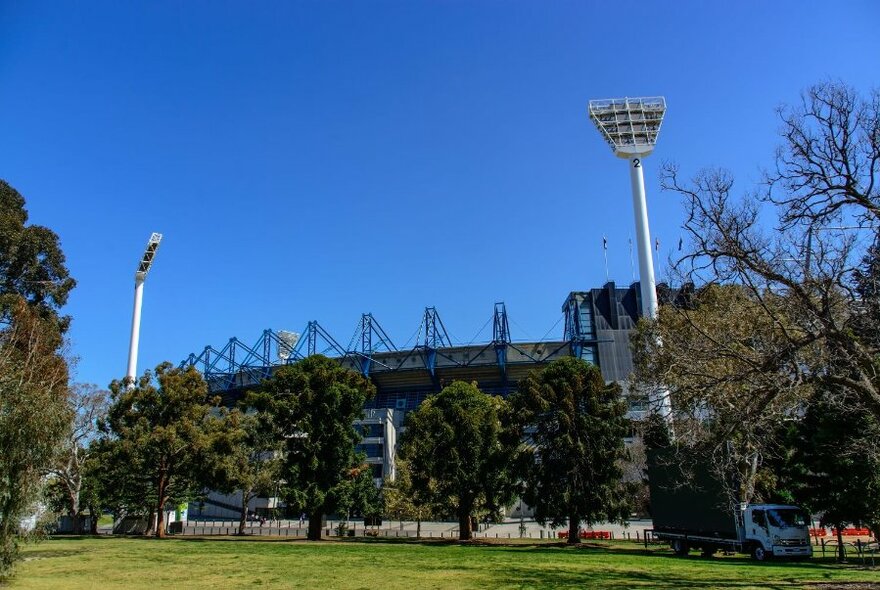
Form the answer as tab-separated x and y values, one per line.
775	530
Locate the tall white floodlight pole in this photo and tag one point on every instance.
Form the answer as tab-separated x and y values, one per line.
630	126
139	277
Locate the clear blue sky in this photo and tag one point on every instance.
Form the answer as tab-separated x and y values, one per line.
317	160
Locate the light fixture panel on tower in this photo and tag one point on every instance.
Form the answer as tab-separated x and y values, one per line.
629	125
147	260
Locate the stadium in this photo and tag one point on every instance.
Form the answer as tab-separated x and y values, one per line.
598	324
597	328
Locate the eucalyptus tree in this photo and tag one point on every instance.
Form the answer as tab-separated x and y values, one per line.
88	406
32	264
247	459
34	416
34	285
160	433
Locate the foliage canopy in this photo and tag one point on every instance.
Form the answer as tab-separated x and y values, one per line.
574	425
456	456
313	405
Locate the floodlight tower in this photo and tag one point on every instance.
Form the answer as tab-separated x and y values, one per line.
139	277
630	126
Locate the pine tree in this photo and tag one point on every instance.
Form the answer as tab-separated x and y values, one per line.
313	405
456	458
574	425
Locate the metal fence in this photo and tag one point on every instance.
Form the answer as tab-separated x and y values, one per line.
222	528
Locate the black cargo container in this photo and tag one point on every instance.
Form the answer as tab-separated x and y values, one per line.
688	499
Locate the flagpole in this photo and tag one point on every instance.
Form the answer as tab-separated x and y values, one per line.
605	253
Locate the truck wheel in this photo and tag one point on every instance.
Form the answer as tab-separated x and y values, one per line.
709	550
759	553
680	547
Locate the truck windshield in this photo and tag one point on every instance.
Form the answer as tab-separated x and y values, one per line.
787	517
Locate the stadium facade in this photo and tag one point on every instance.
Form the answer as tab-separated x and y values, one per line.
598	326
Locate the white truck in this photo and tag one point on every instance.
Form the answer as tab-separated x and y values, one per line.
696	516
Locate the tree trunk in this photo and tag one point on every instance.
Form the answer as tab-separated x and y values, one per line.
242	523
161	490
841	550
75	528
151	523
93	521
419	528
73	508
315	518
573	529
160	520
464	524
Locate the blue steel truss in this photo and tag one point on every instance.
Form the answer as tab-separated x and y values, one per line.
369	338
435	336
222	367
238	365
501	338
316	340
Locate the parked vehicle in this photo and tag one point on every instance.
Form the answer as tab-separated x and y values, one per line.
696	514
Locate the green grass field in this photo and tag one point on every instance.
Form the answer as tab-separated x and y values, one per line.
79	563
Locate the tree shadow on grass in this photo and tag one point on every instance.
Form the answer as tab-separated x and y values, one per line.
526	548
554	578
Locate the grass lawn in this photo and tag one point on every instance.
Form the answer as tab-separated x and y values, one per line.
131	563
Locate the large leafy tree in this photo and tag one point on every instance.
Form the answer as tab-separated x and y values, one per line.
32	265
836	457
708	348
457	460
34	284
313	405
788	316
34	415
404	501
574	425
114	481
87	405
361	496
797	270
247	459
160	433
